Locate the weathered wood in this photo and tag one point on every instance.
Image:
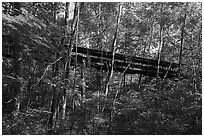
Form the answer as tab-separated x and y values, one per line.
108	55
134	68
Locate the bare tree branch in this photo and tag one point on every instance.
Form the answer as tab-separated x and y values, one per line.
46	71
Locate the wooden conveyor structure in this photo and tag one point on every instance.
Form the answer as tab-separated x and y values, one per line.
101	60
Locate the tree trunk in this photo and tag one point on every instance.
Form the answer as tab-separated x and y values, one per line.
158	67
160	47
182	40
52	117
73	25
54	102
83	82
67	64
17	74
110	72
64	104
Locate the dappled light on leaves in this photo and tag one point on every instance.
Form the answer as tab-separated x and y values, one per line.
105	68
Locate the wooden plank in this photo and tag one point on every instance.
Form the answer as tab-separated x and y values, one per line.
120	67
108	55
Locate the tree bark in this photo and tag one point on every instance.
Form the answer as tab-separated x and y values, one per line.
52	117
158	66
114	43
73	29
64	103
160	43
17	74
182	40
54	102
83	82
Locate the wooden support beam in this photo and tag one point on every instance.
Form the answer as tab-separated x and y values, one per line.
108	55
120	67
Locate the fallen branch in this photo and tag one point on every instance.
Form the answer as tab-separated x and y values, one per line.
46	71
166	75
167	72
120	84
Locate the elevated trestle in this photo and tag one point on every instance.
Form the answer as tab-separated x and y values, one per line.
101	60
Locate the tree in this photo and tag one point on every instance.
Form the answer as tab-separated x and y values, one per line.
58	89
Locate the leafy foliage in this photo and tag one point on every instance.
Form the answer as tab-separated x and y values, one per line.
153	106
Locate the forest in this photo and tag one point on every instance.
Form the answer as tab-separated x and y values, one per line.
101	68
